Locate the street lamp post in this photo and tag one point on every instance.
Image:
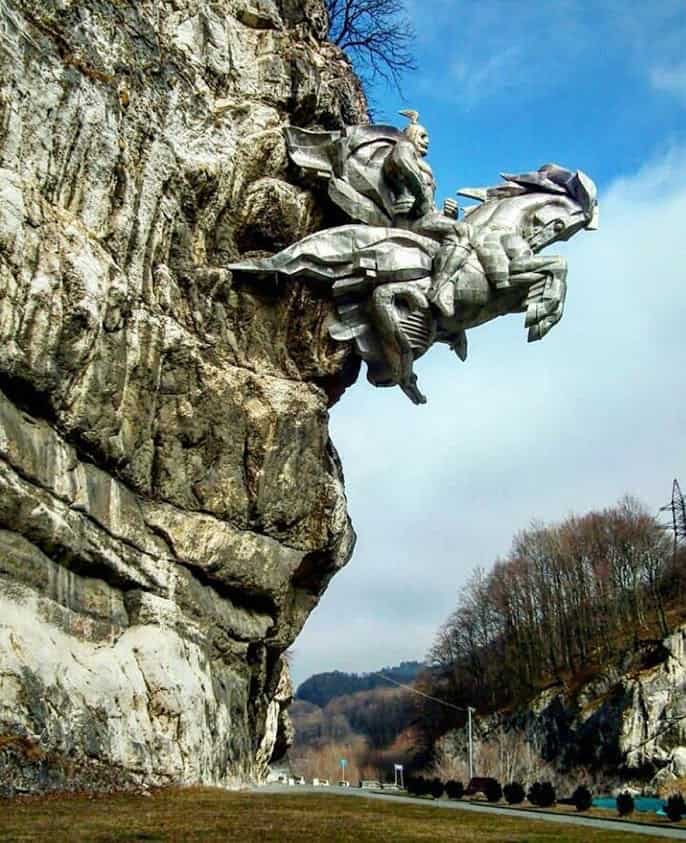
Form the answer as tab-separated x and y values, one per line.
471	743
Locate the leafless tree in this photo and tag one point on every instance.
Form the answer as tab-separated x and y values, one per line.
377	35
556	606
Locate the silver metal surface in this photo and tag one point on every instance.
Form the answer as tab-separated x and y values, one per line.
405	274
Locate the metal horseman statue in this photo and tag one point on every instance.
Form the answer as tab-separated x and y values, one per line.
405	274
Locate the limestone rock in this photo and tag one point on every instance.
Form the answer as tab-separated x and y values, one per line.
628	721
171	505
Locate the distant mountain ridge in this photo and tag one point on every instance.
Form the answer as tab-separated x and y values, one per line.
321	688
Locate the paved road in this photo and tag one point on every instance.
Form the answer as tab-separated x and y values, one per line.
572	819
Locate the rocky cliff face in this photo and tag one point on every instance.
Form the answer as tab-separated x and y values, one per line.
627	723
171	506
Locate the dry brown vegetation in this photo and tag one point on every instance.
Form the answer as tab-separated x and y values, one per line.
670	787
371	729
559	607
570	601
208	815
322	761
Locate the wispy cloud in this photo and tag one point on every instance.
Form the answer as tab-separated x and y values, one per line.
481	80
489	49
671	79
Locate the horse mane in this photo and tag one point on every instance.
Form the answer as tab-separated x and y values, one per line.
550	178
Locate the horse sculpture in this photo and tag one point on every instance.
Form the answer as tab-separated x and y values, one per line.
405	275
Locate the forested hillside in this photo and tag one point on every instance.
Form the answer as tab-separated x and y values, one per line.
572	650
364	718
562	603
323	687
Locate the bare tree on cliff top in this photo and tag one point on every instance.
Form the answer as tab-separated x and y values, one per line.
377	34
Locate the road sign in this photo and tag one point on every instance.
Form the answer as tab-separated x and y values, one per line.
344	763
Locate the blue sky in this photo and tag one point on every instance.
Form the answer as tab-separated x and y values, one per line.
521	432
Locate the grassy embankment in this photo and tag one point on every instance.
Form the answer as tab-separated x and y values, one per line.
210	815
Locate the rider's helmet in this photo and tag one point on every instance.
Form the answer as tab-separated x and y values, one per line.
415	132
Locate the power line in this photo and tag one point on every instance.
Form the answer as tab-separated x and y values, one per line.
420	693
469	711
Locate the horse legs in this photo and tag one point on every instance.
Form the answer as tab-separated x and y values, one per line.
546	277
396	346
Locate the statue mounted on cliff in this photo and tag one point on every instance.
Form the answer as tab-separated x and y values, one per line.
405	274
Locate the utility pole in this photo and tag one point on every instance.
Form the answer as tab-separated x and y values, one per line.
471	742
677	509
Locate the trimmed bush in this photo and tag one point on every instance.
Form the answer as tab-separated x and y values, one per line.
533	793
436	788
548	796
542	794
416	785
625	804
675	807
493	791
454	790
514	793
582	798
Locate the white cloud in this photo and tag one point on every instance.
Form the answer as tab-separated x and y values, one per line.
488	50
486	77
520	431
671	79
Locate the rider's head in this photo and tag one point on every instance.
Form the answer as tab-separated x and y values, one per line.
416	133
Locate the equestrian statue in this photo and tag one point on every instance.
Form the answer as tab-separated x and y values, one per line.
405	274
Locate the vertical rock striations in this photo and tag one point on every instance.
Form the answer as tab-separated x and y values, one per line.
626	723
171	506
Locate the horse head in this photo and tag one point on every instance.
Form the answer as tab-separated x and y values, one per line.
545	206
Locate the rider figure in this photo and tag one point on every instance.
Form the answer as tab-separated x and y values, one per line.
412	183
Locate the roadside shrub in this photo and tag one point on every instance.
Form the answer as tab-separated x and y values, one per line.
514	793
625	804
454	790
675	807
541	794
582	798
436	788
533	794
416	785
548	796
493	791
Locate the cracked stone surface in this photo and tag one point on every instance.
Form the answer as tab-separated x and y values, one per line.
629	721
171	505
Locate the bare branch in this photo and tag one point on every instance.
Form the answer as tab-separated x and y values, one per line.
376	34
